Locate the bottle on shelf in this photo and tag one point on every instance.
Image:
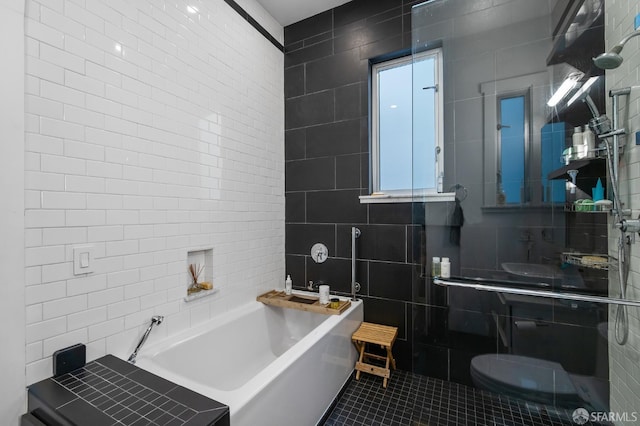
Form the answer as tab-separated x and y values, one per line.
435	267
445	267
578	142
589	142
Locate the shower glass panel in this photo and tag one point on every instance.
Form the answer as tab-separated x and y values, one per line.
425	119
514	223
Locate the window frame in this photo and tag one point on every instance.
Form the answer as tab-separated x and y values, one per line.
489	91
376	68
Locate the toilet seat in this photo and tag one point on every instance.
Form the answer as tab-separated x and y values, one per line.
525	378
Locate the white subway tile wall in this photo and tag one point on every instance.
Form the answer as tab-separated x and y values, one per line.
624	361
150	131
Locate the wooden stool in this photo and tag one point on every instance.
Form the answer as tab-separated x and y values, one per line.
376	334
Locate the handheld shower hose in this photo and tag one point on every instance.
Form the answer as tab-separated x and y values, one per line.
622	317
612	60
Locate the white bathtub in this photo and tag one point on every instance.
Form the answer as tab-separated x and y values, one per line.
271	366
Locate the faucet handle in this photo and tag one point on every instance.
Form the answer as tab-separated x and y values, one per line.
629	225
310	286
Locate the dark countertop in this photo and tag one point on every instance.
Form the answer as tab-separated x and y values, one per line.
110	391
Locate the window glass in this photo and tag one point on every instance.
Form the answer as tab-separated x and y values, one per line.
552	146
406	124
395	127
512	144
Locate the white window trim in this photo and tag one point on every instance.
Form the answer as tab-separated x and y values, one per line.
409	195
381	197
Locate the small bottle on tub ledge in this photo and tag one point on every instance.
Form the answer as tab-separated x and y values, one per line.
288	285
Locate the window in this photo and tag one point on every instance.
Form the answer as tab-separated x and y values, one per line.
406	126
517	157
513	144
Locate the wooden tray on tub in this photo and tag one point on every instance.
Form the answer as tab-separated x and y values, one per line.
301	302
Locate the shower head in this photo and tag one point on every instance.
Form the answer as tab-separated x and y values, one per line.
600	123
608	61
612	59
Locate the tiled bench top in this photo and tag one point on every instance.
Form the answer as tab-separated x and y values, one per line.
110	392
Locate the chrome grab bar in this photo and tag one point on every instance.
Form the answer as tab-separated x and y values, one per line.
355	286
536	293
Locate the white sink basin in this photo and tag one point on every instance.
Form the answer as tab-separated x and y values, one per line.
533	270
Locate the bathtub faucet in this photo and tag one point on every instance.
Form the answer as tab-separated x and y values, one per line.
155	320
315	286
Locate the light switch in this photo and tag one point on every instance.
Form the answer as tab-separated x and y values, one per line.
83	260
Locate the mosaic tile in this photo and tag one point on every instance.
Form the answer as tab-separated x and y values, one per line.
414	400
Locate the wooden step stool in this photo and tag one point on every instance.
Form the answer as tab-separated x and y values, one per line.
376	334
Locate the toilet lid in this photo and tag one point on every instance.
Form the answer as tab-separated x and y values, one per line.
522	372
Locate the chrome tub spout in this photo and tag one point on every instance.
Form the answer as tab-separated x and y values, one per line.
155	320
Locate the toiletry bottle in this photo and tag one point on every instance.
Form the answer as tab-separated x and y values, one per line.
589	142
288	285
445	268
435	267
578	143
597	192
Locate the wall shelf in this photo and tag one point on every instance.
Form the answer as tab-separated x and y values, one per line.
199	295
587	260
589	171
201	258
301	302
582	39
584	165
573	208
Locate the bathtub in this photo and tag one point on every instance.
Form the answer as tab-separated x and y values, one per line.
270	365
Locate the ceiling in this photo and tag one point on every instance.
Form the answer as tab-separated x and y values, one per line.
287	12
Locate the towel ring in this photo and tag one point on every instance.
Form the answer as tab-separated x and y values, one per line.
460	190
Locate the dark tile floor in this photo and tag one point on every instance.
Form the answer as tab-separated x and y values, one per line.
415	400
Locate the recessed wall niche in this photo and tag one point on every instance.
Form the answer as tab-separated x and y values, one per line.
199	274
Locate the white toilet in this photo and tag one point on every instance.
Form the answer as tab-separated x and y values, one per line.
539	381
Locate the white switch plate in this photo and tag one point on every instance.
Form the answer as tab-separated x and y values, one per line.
83	262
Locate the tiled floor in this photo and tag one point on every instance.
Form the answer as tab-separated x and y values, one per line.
414	400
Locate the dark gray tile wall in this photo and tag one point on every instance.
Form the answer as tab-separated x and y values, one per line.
327	161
